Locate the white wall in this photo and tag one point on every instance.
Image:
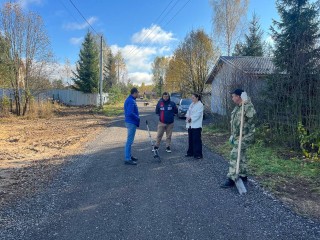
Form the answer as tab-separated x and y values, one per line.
220	86
66	96
76	98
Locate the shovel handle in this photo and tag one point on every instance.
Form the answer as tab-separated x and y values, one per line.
240	139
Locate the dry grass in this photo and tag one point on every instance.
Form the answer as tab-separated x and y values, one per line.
43	109
32	148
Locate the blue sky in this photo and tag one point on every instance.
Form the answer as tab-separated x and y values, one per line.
133	26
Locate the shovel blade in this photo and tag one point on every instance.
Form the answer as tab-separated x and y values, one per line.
240	186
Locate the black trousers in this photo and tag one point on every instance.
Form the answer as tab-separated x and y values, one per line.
195	142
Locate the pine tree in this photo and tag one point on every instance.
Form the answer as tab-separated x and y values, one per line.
86	77
253	45
239	49
110	73
296	87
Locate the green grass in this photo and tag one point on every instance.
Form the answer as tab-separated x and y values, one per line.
112	110
285	173
265	161
213	128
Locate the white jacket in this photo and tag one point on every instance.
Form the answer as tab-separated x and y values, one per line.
195	112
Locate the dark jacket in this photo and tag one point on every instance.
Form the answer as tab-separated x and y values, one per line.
131	112
166	111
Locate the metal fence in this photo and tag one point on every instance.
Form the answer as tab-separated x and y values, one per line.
66	96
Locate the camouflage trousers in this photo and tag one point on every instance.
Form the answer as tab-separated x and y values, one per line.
233	161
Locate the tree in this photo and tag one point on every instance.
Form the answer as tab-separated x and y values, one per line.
191	62
86	77
121	68
227	20
57	84
110	72
172	80
239	49
4	63
67	71
29	47
253	45
295	88
159	68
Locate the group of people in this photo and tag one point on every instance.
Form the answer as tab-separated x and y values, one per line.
167	109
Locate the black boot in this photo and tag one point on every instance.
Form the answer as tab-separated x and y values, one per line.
244	179
228	184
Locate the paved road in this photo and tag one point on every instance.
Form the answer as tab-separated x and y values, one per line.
98	197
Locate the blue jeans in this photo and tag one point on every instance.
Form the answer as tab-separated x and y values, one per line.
131	128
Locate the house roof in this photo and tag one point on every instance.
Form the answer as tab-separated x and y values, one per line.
246	64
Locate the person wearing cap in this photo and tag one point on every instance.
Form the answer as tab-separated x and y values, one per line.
247	137
132	121
166	109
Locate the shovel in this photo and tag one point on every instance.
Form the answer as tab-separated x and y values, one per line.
239	183
155	151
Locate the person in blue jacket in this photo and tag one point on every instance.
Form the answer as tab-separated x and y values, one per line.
132	121
166	109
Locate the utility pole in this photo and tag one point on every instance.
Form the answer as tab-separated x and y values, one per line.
118	70
101	99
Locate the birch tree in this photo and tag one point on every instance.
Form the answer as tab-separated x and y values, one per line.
228	21
29	46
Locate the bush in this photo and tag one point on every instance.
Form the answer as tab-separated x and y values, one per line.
309	142
42	109
116	95
5	106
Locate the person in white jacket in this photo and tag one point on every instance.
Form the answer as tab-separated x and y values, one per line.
194	119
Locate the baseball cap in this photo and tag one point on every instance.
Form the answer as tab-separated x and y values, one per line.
237	91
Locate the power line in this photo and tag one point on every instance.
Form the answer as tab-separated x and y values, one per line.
178	12
61	2
170	19
163	11
83	17
150	32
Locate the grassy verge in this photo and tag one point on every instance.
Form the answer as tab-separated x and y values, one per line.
112	110
287	174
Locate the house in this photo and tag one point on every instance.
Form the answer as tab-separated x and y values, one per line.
246	72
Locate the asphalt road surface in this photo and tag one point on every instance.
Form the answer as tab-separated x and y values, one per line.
96	197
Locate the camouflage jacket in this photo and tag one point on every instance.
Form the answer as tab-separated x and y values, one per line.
248	124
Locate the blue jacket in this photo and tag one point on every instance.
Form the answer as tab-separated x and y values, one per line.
166	110
131	111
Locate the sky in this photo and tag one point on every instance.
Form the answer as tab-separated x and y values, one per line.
140	29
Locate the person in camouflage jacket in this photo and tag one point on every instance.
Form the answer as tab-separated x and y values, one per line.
247	137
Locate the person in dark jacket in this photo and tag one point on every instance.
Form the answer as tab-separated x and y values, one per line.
166	109
132	121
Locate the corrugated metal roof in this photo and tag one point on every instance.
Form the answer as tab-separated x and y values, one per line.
247	64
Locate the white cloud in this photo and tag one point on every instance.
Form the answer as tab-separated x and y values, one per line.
80	26
270	40
76	41
154	34
140	77
25	3
137	58
61	71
